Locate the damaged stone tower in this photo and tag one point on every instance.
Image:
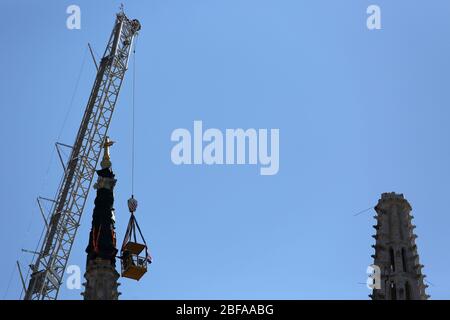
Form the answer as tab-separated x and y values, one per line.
101	274
396	251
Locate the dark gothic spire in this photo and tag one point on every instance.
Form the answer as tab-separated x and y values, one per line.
396	251
101	274
102	238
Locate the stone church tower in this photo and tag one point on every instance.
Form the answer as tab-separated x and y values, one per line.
101	274
396	251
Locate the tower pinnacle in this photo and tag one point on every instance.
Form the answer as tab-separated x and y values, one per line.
396	251
101	274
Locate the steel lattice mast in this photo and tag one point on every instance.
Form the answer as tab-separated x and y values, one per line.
49	267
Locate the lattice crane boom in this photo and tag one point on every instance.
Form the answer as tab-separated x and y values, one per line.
49	267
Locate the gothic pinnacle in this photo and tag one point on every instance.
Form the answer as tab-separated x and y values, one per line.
396	251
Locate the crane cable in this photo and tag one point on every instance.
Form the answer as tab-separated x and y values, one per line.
133	118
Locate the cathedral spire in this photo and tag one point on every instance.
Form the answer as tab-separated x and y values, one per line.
396	251
101	274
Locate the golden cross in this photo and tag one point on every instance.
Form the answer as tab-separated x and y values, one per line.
106	161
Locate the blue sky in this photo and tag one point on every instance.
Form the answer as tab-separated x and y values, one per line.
360	113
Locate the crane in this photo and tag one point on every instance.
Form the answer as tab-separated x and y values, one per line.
47	270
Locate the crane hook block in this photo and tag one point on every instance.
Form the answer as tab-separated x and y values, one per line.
132	204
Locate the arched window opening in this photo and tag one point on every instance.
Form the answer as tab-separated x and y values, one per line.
391	252
407	291
404	260
393	291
